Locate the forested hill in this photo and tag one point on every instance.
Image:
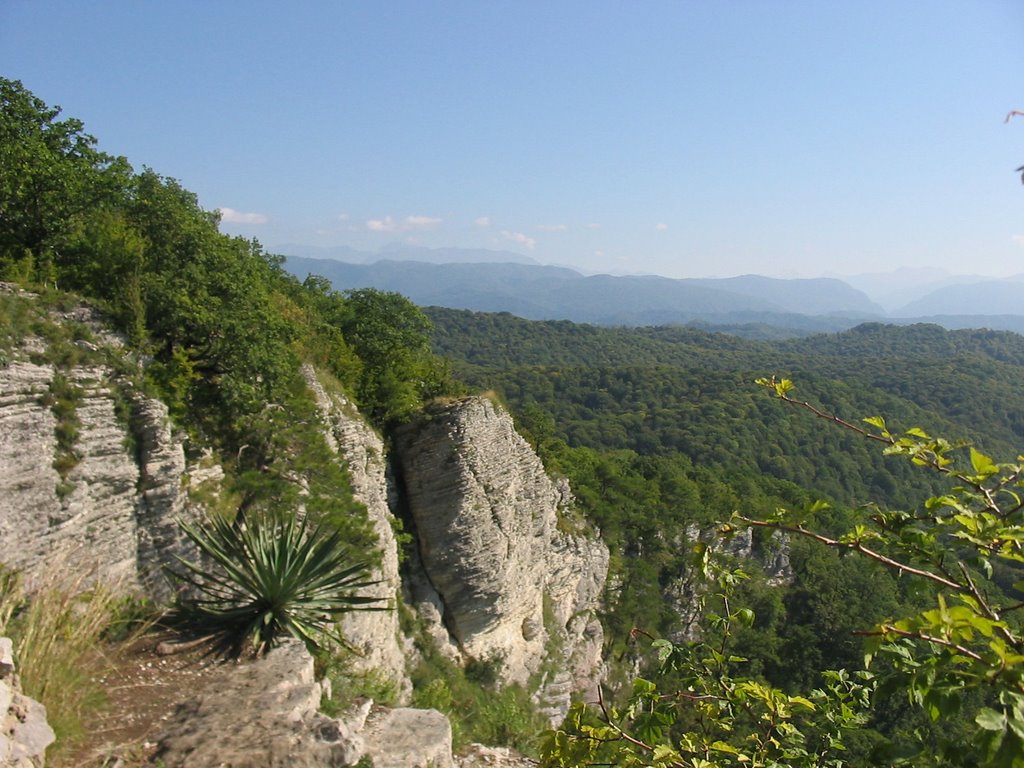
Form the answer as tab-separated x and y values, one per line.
675	390
661	430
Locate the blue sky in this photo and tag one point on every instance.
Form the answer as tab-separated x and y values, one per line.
677	138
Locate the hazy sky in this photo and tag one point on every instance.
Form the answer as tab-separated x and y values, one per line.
680	138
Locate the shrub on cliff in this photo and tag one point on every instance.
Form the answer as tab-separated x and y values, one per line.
269	577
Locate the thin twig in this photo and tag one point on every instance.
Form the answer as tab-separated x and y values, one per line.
887	629
856	546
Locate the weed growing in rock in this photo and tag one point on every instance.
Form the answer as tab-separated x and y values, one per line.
63	399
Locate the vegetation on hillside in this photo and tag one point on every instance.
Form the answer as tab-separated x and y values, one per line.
219	331
664	437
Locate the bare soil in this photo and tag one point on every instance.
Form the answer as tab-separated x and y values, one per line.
143	690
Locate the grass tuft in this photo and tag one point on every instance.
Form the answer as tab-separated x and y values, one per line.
57	629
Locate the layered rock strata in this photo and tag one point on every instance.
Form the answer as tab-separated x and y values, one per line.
107	513
513	588
375	634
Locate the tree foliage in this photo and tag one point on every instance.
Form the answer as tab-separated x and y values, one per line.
700	712
219	331
971	636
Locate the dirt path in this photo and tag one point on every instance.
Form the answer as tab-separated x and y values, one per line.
143	689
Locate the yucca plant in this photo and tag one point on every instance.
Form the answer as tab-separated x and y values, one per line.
267	578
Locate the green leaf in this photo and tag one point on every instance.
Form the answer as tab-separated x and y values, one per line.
990	720
879	422
982	464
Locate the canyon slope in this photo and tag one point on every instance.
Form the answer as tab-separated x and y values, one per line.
95	478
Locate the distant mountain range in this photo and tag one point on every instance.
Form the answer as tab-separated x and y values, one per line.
406	252
749	305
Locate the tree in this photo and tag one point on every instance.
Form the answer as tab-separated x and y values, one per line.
965	546
390	335
50	173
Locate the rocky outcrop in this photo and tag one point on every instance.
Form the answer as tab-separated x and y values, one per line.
24	732
513	588
94	478
282	727
374	634
109	511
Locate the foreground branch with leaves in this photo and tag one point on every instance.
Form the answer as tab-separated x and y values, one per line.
699	713
963	546
967	544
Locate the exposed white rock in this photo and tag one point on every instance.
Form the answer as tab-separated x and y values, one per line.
264	714
260	714
24	732
409	738
486	517
481	756
161	496
375	634
28	481
113	513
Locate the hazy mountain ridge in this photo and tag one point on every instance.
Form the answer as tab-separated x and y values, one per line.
551	293
750	305
998	297
407	252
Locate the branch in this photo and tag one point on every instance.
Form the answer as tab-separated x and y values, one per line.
615	726
887	629
836	420
857	547
890	440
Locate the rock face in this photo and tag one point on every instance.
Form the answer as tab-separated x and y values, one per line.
24	732
283	729
93	478
512	587
375	634
108	513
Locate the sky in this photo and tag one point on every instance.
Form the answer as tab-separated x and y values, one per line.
795	138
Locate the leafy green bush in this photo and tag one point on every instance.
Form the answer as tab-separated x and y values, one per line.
271	576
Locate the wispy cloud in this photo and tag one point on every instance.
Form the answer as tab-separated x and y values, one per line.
661	227
552	227
389	224
1018	239
231	216
519	237
483	221
422	222
343	217
593	225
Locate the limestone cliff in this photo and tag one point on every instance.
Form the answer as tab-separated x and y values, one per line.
376	635
107	497
93	476
511	586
